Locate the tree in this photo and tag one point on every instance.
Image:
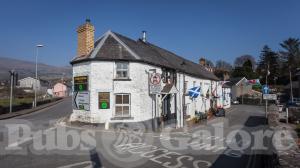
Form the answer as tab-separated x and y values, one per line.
290	55
268	61
244	67
223	65
239	61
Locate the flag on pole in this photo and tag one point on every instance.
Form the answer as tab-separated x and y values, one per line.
253	82
194	92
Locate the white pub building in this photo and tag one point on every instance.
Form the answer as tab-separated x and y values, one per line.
119	80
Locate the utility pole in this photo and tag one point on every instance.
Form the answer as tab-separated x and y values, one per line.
36	78
12	76
267	86
291	85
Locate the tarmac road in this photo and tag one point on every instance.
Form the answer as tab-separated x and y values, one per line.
50	145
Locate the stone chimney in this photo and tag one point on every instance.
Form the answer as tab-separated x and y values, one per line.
85	38
202	62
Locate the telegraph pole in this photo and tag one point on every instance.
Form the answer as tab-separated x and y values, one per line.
267	86
12	76
291	85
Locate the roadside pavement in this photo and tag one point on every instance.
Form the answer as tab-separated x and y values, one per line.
286	158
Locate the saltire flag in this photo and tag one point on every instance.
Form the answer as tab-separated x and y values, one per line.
194	92
253	82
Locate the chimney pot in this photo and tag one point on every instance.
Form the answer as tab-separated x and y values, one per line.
202	61
144	36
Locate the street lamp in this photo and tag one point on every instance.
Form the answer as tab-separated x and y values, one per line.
36	78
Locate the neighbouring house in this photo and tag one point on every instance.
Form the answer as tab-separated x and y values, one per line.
30	83
60	90
239	87
226	89
112	77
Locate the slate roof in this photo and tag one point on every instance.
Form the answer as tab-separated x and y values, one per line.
114	46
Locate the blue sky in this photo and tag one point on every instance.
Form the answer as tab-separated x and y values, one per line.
222	29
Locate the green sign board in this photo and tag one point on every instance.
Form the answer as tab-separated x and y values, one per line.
103	99
80	83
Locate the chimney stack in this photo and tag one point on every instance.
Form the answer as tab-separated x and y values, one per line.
202	62
85	37
144	36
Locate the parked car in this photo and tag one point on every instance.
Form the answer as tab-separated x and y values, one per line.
235	102
291	104
220	112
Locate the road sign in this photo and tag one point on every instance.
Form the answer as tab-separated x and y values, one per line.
82	100
155	83
269	96
265	89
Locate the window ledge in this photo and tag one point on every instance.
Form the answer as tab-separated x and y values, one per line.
122	118
120	79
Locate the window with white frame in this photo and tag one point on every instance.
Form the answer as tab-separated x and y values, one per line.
122	105
122	70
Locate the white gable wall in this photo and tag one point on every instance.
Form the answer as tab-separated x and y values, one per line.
101	79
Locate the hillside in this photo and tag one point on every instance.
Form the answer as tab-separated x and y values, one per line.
27	68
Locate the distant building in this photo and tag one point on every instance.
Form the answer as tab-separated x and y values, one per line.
226	89
60	90
30	83
239	87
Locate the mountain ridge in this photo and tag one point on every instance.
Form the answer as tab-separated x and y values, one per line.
27	68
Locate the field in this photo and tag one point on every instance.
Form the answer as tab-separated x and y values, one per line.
16	101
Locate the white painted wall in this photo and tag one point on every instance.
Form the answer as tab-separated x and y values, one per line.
227	98
101	79
202	102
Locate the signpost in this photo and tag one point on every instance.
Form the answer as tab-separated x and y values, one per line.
269	96
155	89
82	100
265	90
155	83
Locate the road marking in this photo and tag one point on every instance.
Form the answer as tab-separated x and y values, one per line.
88	164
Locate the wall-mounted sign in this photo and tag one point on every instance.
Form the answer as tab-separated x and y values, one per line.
155	83
80	83
82	100
103	100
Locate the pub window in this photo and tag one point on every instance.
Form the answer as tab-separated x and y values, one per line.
122	70
185	86
104	101
122	105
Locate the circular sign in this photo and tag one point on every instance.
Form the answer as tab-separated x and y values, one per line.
155	79
104	105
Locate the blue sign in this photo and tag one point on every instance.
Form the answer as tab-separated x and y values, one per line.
194	92
265	89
